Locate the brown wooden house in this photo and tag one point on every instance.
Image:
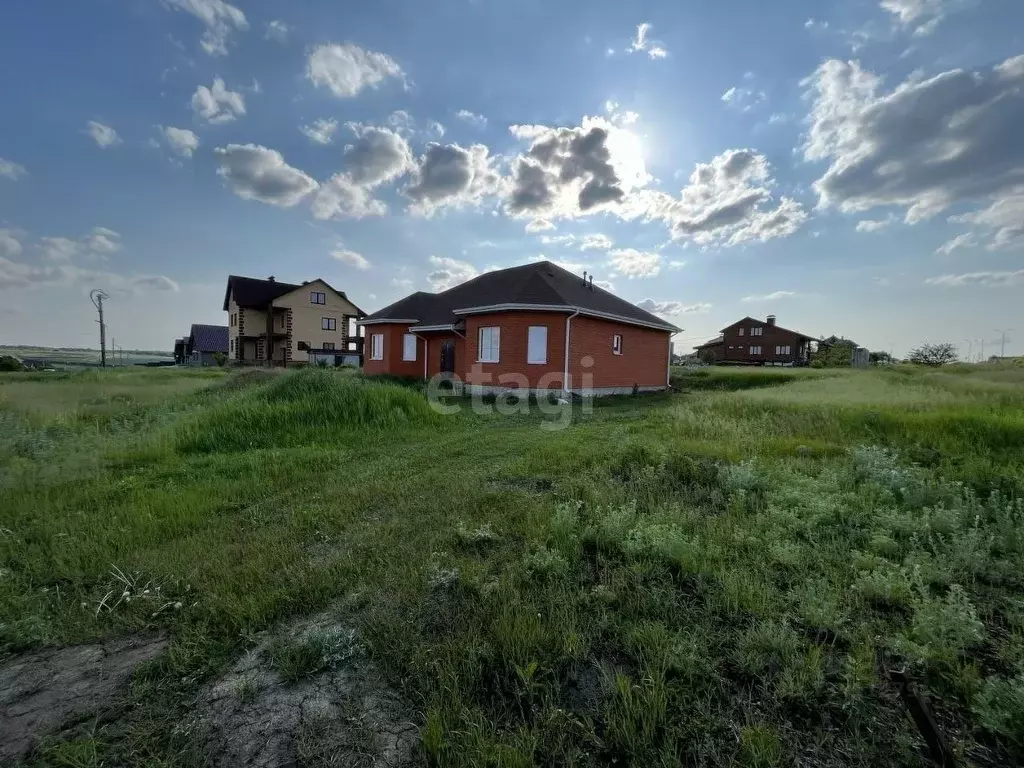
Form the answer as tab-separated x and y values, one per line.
760	342
712	351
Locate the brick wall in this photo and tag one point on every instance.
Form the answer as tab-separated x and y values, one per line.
644	358
643	362
392	362
512	358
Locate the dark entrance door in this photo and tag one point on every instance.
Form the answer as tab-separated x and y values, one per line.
448	356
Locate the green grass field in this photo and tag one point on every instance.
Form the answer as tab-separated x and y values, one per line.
719	576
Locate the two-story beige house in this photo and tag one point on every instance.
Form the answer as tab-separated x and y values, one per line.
283	323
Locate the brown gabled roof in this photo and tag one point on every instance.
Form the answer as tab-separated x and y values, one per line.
713	343
254	293
764	323
540	284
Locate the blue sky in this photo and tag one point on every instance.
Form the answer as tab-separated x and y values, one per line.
855	168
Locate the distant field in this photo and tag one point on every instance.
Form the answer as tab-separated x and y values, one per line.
85	357
724	575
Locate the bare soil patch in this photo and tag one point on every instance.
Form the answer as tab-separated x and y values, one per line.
40	692
340	715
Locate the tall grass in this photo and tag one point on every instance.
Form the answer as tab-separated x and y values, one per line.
311	406
713	578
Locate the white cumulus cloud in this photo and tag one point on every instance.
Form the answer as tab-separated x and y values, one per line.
219	18
347	69
342	198
633	263
727	202
378	155
350	258
929	144
477	121
321	131
182	141
596	243
258	173
449	272
449	175
924	16
217	104
103	135
539	225
573	172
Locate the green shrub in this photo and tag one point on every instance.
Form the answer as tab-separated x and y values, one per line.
999	707
942	628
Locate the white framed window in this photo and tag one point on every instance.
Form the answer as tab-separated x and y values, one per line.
328	323
783	350
755	350
408	347
488	344
617	344
377	346
317	297
757	331
329	345
741	331
537	344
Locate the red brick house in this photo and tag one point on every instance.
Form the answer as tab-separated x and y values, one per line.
537	327
760	342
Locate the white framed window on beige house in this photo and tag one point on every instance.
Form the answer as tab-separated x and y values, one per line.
317	297
617	344
328	323
409	347
489	345
537	344
755	350
377	346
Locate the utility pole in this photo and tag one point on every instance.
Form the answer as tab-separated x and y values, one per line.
1002	341
97	297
